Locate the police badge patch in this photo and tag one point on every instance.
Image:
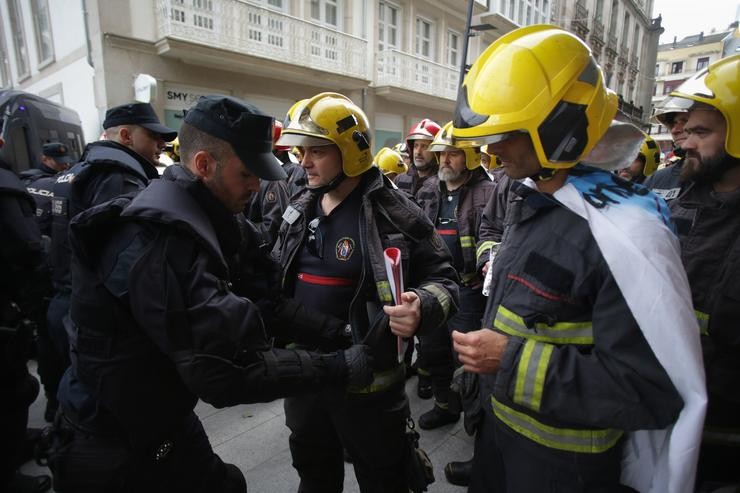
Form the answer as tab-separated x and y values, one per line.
270	197
345	247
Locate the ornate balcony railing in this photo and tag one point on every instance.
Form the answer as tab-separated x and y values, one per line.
243	28
405	71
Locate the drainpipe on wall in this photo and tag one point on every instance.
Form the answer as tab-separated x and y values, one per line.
87	34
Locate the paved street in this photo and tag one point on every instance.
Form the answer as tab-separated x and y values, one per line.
255	438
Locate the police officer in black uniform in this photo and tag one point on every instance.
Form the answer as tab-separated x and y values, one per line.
123	163
55	158
22	289
158	322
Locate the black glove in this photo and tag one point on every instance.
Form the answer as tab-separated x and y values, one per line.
352	367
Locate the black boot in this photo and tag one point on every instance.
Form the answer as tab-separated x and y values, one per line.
458	473
22	483
438	416
424	386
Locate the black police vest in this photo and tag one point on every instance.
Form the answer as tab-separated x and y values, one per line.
40	184
113	355
68	201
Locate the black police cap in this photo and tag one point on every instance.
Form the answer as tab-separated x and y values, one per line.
141	114
58	151
244	126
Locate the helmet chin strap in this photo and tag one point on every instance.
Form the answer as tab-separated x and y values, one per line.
544	174
334	183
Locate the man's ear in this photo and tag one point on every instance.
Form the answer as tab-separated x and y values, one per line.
125	136
202	164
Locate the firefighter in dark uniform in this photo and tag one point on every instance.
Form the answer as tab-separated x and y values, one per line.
645	163
565	367
39	182
331	249
707	215
158	324
24	285
423	162
666	182
123	163
453	201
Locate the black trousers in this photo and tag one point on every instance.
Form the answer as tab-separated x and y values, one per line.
507	462
435	349
371	428
93	461
18	389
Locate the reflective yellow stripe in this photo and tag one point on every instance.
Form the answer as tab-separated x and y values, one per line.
559	333
381	381
531	372
568	439
466	278
442	297
384	291
703	319
483	247
467	241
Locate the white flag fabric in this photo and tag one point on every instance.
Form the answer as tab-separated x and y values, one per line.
633	231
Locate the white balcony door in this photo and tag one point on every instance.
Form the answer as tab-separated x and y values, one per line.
324	42
389	26
424	48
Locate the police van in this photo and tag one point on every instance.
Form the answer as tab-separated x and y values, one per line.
29	122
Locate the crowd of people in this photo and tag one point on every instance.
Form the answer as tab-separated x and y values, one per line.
571	297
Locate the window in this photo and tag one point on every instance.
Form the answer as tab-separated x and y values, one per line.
626	32
636	43
676	67
19	39
424	38
510	13
5	80
453	48
657	69
702	62
325	11
42	24
613	18
599	10
388	23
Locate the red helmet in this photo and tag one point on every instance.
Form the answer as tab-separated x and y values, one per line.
277	131
424	130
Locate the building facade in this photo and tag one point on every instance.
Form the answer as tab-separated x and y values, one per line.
624	39
398	59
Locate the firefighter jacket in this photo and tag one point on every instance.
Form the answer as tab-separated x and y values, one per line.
388	219
577	371
666	182
156	323
474	195
492	221
708	225
410	181
266	208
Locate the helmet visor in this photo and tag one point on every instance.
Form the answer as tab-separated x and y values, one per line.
694	89
484	140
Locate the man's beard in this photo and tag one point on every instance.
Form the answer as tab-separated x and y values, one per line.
448	174
424	165
707	170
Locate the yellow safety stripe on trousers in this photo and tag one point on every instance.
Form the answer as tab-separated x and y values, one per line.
442	297
703	319
467	241
559	333
381	380
486	245
384	291
568	439
531	371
